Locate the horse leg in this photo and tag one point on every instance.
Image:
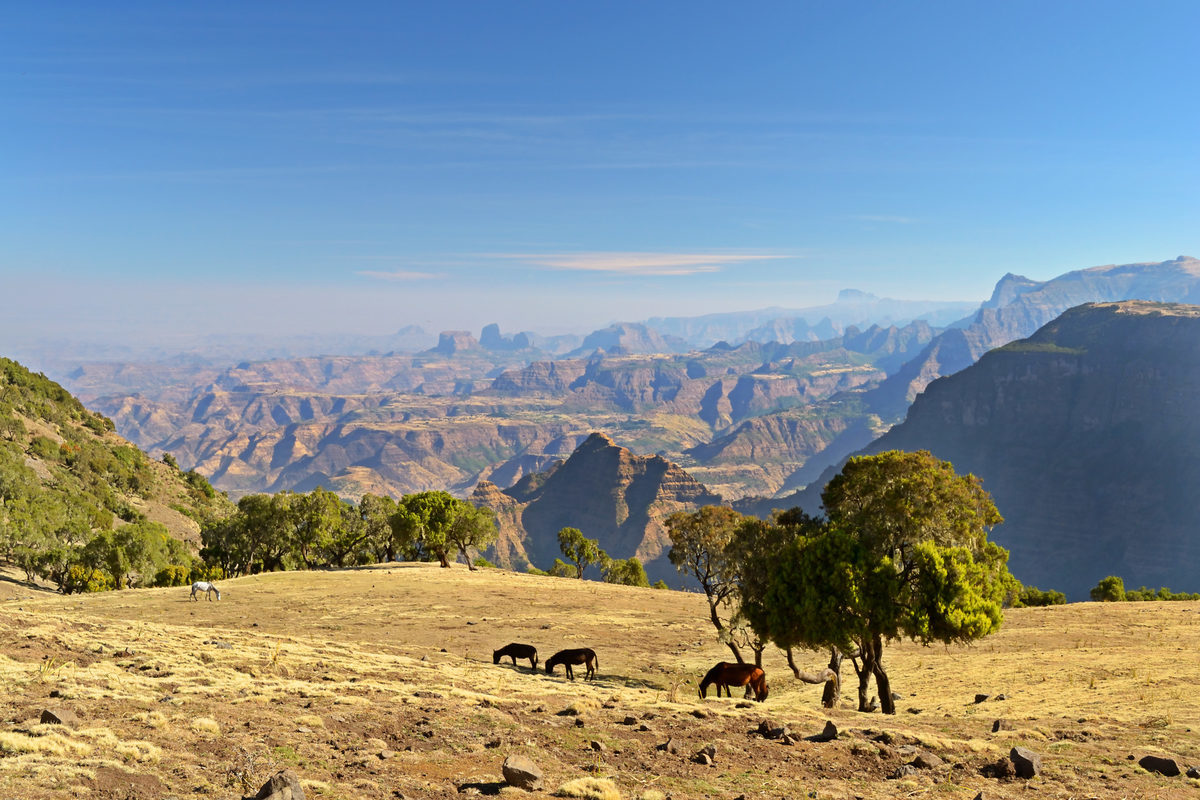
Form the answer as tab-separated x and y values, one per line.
570	674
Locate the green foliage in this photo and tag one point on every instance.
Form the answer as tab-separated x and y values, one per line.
624	571
81	579
45	448
532	570
702	547
660	584
579	550
483	563
170	461
1033	596
904	554
561	569
433	524
1109	590
198	483
173	575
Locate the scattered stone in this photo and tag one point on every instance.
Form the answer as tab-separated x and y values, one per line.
980	796
644	728
492	744
425	657
299	729
827	734
703	759
787	739
1001	697
1160	764
905	771
649	715
538	710
699	713
521	772
669	746
896	696
744	704
915	710
166	698
1002	725
385	754
472	622
579	723
56	693
1193	772
629	721
926	761
1026	763
283	785
59	716
886	737
598	746
979	698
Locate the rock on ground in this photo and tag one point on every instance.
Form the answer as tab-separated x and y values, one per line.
521	772
283	785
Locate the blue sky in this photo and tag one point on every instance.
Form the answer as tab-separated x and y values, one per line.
314	167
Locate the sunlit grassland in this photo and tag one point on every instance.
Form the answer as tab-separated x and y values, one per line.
322	671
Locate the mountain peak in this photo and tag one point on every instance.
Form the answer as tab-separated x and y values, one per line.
855	296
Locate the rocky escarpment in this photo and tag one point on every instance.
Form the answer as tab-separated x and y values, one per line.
1087	436
1019	306
604	490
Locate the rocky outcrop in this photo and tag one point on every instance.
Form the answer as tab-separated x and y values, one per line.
608	493
1019	306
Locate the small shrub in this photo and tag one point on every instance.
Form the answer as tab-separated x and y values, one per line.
1109	590
206	725
173	575
589	789
660	584
1033	596
484	563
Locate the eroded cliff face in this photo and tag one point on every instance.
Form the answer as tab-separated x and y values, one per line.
607	492
1088	437
1019	306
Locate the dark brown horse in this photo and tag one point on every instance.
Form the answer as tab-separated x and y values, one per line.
515	651
725	675
582	655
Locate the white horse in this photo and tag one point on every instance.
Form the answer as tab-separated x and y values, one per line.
207	588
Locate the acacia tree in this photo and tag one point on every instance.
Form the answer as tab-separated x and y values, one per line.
579	550
700	547
905	553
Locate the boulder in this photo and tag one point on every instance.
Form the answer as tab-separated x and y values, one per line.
905	771
1193	772
1025	762
669	746
283	785
521	772
925	760
1160	764
59	716
979	698
1002	725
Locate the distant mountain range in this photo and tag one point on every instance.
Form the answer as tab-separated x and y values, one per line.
1087	435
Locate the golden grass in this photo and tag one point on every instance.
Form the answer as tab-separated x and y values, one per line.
371	652
589	789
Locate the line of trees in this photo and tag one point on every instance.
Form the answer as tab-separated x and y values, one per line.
583	552
1112	589
292	530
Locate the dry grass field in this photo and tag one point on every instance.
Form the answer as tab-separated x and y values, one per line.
379	683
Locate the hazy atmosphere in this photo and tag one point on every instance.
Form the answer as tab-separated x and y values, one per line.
173	170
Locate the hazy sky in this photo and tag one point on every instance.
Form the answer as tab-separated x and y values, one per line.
311	167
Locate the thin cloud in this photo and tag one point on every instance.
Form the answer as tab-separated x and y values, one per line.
651	264
400	275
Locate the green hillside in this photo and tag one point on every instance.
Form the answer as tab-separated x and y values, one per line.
80	506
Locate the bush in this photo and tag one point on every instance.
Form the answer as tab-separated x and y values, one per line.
85	579
483	562
1109	590
660	584
45	448
173	575
561	569
1033	596
532	570
170	461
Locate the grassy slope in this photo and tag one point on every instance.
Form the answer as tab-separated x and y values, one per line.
327	671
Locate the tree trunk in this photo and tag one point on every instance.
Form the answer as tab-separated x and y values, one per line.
716	621
445	562
864	676
467	558
886	703
828	676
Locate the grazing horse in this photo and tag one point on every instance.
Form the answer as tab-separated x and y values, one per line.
515	651
582	655
207	588
725	675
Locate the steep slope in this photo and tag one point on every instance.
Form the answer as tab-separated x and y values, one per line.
1087	436
604	490
1019	306
66	476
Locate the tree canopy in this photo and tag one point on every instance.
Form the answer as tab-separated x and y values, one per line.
904	553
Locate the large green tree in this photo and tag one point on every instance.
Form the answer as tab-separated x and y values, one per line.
435	524
904	554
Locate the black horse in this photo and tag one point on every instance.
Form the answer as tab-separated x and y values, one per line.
581	655
515	651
